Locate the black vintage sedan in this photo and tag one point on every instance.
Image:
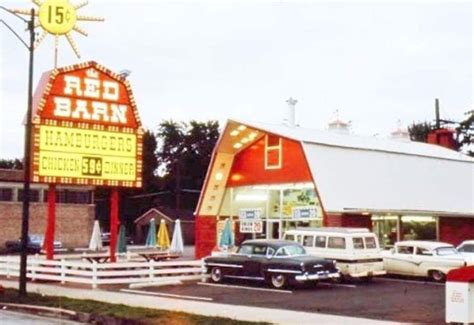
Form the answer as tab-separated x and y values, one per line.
276	261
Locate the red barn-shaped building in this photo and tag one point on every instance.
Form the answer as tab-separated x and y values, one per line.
271	178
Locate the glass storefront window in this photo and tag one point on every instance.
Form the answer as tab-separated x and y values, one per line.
418	228
279	206
390	229
386	228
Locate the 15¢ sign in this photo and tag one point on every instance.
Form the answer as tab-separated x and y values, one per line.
57	17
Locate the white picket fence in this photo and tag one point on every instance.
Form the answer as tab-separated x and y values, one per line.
95	274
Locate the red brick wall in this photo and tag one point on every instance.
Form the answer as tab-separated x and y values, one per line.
456	230
73	222
442	137
349	220
205	235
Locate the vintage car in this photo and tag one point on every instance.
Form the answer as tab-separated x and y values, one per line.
276	261
422	258
356	250
34	244
466	248
14	246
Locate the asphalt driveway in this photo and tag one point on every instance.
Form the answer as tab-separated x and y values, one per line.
390	299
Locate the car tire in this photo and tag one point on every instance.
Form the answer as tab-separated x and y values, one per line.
216	274
278	281
437	276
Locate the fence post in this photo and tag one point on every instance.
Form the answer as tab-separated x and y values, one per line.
151	268
63	271
7	266
94	275
34	263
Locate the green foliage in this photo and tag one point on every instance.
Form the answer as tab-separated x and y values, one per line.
150	161
11	163
124	314
184	153
419	131
465	134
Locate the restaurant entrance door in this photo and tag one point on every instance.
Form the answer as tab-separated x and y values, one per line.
273	229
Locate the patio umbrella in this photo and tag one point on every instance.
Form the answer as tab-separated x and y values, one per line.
151	236
122	241
227	238
95	243
163	237
177	241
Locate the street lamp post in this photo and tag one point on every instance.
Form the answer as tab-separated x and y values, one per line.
27	151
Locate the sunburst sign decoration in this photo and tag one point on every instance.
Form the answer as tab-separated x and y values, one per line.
59	18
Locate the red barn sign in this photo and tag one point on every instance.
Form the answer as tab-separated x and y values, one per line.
86	128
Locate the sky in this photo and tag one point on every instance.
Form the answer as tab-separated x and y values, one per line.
376	63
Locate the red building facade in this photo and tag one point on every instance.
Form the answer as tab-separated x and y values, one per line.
268	179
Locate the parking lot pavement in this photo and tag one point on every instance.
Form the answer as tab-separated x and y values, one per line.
396	300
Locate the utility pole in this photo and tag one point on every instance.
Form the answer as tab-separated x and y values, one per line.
27	163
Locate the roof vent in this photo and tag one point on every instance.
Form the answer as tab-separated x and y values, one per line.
339	126
291	120
400	133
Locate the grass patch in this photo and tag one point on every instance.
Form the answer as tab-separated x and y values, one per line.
123	313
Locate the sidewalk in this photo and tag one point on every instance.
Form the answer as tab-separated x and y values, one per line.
245	313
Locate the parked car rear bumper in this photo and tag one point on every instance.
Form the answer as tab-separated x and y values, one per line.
313	277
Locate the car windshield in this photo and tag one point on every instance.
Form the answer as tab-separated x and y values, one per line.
36	239
443	251
467	248
291	250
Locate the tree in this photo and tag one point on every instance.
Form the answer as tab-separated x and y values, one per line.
465	134
150	162
419	131
184	153
11	163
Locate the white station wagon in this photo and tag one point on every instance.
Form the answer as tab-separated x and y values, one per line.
356	250
422	258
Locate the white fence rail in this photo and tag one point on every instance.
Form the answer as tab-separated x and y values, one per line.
95	274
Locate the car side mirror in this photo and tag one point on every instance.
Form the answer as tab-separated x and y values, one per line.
392	251
269	256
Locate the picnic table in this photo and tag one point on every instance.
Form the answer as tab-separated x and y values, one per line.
157	255
96	257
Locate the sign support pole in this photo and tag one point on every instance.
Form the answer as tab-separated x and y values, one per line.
50	227
114	220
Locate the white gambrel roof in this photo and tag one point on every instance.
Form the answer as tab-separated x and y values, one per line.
357	173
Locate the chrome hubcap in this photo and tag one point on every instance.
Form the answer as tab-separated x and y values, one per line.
278	280
216	274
